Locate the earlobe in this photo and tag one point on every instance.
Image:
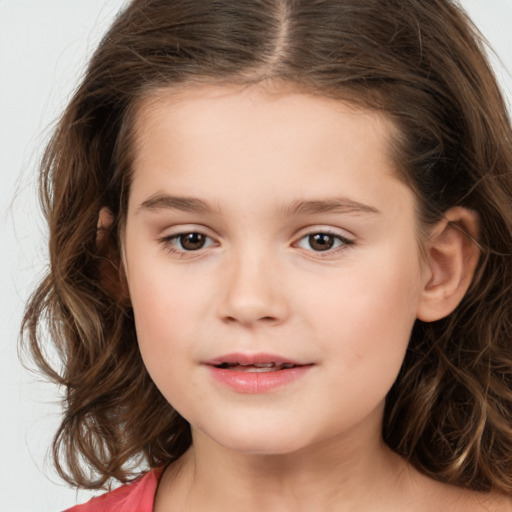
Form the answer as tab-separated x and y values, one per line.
452	254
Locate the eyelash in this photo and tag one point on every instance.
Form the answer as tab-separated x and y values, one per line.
341	241
171	242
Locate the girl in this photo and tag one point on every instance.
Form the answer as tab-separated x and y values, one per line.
280	276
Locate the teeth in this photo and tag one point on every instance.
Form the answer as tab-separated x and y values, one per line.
256	367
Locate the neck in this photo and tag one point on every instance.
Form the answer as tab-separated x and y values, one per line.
353	473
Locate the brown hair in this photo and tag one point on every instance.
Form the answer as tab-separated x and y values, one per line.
419	61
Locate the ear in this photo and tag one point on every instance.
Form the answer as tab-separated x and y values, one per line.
452	254
105	221
111	271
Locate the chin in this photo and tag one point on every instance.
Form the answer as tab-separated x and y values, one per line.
258	441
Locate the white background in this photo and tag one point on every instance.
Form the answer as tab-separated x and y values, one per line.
44	45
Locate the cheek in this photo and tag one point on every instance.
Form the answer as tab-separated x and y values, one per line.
171	306
368	314
156	306
160	293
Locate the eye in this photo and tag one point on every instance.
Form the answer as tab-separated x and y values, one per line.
321	242
188	242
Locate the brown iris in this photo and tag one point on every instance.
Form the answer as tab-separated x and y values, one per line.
321	241
192	241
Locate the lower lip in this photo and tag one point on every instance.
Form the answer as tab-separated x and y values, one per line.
257	382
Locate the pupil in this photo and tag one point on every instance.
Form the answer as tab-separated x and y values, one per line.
192	241
321	241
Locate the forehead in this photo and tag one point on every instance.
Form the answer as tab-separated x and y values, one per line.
208	136
187	102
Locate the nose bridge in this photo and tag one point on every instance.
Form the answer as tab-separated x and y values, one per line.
253	289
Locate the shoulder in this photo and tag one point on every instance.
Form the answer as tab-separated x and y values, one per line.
465	500
474	501
138	495
427	494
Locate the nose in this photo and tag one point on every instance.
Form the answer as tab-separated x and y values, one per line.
253	292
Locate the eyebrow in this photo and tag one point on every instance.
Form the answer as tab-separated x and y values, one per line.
167	202
192	204
335	205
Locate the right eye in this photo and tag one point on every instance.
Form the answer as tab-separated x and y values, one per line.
188	242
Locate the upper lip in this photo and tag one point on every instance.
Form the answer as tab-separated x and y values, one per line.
248	359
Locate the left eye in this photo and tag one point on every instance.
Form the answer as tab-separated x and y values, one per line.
190	241
321	242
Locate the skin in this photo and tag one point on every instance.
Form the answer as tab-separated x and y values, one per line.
260	160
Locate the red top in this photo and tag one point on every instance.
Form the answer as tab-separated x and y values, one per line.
139	496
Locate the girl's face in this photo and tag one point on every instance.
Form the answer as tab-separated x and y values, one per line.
273	264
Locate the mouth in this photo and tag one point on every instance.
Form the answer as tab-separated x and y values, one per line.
256	367
256	373
254	363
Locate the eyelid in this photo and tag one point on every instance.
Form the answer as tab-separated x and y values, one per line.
328	230
208	241
167	240
342	235
183	229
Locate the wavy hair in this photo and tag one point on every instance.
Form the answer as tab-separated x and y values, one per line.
423	64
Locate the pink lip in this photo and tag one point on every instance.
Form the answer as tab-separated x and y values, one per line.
256	382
